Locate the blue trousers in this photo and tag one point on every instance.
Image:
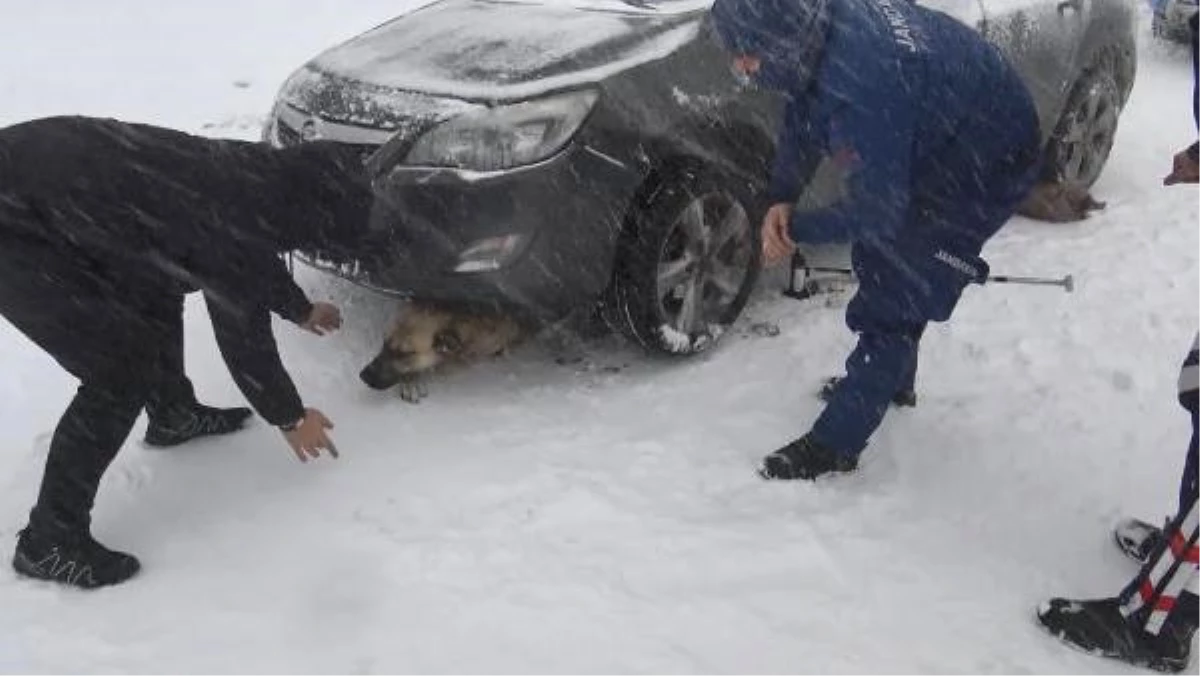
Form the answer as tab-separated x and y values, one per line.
959	199
889	312
904	284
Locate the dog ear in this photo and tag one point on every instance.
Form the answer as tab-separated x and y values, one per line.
447	342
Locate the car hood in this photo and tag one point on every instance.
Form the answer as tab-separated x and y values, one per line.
486	50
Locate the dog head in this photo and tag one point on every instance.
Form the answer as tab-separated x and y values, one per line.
418	341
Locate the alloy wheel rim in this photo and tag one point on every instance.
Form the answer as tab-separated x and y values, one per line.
1089	134
704	263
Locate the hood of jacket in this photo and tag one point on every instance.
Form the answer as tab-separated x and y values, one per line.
331	198
787	36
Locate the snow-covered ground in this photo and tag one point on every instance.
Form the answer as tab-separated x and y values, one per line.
532	517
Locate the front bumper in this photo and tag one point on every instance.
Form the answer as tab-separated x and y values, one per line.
567	212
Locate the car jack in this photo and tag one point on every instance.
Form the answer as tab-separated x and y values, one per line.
809	287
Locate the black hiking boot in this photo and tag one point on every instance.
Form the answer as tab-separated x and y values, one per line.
1097	627
71	557
1137	539
181	425
902	399
805	459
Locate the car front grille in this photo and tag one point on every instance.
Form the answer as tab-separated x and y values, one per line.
287	135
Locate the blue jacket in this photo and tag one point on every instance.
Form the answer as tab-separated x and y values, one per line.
912	105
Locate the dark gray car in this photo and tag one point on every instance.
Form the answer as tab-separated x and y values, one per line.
558	155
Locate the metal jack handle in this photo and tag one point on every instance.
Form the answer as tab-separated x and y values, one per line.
1067	282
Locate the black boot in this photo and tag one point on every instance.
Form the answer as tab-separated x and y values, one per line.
805	459
178	425
71	557
903	399
1098	627
1137	539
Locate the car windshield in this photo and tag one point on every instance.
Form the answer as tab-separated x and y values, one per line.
622	6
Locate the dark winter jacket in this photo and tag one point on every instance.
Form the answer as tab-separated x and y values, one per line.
911	105
163	213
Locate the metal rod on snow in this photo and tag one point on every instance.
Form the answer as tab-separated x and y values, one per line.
1067	283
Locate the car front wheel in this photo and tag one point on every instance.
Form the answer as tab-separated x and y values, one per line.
686	264
1084	136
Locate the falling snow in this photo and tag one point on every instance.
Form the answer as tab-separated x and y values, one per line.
533	517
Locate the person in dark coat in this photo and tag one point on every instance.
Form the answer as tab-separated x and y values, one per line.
1152	621
936	141
104	227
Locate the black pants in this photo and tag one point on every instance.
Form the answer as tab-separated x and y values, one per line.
121	339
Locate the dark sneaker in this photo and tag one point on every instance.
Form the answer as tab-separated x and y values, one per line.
805	459
183	425
71	558
1137	539
1097	627
902	399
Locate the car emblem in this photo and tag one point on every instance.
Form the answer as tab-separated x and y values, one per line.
310	130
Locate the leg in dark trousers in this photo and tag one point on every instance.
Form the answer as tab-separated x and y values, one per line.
909	383
890	316
903	285
171	390
88	436
99	332
173	415
1152	621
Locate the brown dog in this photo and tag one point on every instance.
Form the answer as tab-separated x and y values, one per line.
425	337
1058	203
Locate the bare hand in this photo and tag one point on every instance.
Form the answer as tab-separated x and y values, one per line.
1183	170
309	438
776	240
324	318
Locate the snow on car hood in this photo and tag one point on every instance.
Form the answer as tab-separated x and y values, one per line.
489	50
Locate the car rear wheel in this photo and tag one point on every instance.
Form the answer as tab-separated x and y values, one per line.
686	264
1084	136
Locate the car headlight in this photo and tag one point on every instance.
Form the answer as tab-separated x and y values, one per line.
490	253
505	136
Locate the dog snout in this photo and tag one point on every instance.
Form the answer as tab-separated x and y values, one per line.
379	375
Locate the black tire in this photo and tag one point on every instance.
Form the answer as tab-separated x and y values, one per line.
686	263
1084	135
